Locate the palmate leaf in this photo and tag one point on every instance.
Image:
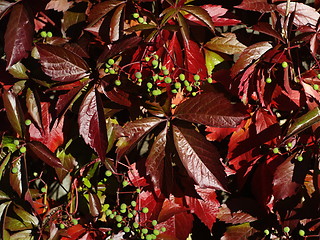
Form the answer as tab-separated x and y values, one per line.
257	5
61	64
199	157
19	35
194	60
212	109
92	123
227	44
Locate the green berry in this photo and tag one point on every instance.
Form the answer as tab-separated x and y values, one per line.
154	63
154	222
117	82
155	77
123	210
43	190
194	94
107	65
209	80
123	206
266	232
27	122
135	15
286	229
49	34
156	56
289	144
268	80
74	221
284	64
182	77
302	233
138	190
106	70
316	87
43	34
189	88
108	212
125	183
300	158
14	170
138	75
35	174
196	77
133	203
112	71
23	149
186	83
163	229
144	230
163	68
149	85
145	210
166	72
177	85
119	225
173	105
62	226
111	216
147	59
148	237
168	80
156	232
110	61
140	19
318	76
108	173
275	150
135	225
126	229
134	212
140	80
118	218
16	142
174	91
130	215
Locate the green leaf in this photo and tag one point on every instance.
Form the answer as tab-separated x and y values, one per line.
4	164
21	220
34	106
18	70
212	59
141	27
304	122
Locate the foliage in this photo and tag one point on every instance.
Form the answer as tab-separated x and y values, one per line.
164	119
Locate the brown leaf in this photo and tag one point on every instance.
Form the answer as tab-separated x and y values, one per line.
227	44
59	5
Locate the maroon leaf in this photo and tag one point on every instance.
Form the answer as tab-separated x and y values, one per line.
205	208
115	23
16	178
212	109
92	123
155	160
239	217
94	204
251	53
101	9
266	28
118	96
61	64
171	206
257	5
4	6
14	111
195	62
134	132
304	14
153	201
44	154
34	108
200	158
19	35
71	18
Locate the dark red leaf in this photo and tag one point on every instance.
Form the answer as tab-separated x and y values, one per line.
52	137
205	208
134	132
153	201
44	154
94	204
195	61
34	107
4	6
218	134
257	5
200	158
170	207
101	9
19	35
92	123
115	23
228	216
266	28
118	96
156	159
212	109
61	64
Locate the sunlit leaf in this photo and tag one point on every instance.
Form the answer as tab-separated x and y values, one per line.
71	18
228	44
257	5
34	107
238	232
24	221
18	70
59	5
115	28
212	59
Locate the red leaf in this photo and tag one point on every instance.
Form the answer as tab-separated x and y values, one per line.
44	154
205	208
134	132
61	64
153	201
218	134
115	23
19	35
155	163
174	55
195	61
92	123
200	158
212	109
257	5
251	53
94	204
51	137
4	6
304	14
74	232
228	216
266	28
170	207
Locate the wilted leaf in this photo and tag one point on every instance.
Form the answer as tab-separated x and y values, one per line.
134	132
92	123
200	158
59	5
44	154
304	14
228	44
251	53
61	64
19	35
212	109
